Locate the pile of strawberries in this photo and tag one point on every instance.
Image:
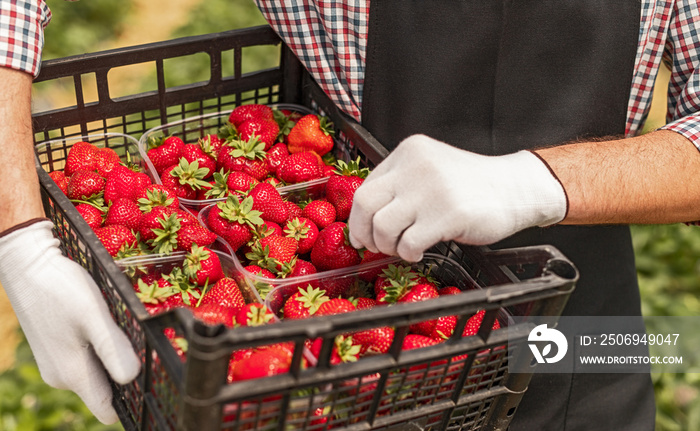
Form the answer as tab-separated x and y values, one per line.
128	212
257	144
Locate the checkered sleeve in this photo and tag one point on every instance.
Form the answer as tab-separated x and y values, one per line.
22	25
329	37
682	52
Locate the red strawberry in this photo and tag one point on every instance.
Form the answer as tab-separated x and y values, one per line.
311	133
185	178
123	182
214	314
202	266
363	303
262	363
125	212
239	181
211	144
224	292
254	314
164	152
474	323
416	341
322	213
116	238
273	252
92	214
150	221
332	249
154	293
264	129
304	231
335	306
247	112
340	188
106	159
275	155
300	167
193	152
344	349
375	340
304	303
81	157
234	220
449	290
443	327
59	177
371	274
246	156
83	185
302	267
193	234
267	200
293	210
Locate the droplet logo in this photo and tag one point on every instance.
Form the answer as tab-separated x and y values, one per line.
542	334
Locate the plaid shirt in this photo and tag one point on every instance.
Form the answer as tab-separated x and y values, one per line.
22	25
330	38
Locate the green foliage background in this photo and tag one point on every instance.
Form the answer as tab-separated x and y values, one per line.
667	256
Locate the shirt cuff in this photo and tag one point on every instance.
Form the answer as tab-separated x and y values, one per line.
22	25
688	126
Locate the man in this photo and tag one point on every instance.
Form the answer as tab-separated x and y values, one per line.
59	307
510	86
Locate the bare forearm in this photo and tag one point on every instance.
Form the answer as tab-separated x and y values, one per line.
654	178
19	194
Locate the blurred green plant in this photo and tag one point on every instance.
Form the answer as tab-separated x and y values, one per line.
28	404
79	27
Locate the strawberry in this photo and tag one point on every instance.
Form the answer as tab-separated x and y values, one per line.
116	239
150	221
322	213
304	303
211	144
364	303
92	214
187	294
304	232
214	314
344	349
106	159
300	167
254	314
474	323
164	152
262	363
374	341
247	112
371	274
341	186
267	200
202	266
59	177
449	290
417	293
302	267
275	155
193	234
416	341
332	249
194	152
81	157
311	133
83	185
443	327
178	342
263	287
224	292
246	156
293	210
264	129
239	181
185	178
156	195
123	211
335	306
273	252
124	182
234	220
154	294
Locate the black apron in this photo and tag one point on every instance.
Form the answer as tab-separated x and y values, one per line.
499	76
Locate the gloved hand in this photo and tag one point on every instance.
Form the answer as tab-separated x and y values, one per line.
426	191
64	318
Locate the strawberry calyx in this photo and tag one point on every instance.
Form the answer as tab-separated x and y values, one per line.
351	168
182	286
251	149
166	237
235	210
346	350
190	174
154	198
311	298
401	280
296	229
193	260
153	293
326	126
219	187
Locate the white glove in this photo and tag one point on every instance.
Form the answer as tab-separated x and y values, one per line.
65	319
426	191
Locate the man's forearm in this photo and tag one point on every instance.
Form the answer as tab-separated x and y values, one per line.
654	178
19	194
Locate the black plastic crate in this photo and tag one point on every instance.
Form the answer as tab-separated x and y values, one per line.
461	384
